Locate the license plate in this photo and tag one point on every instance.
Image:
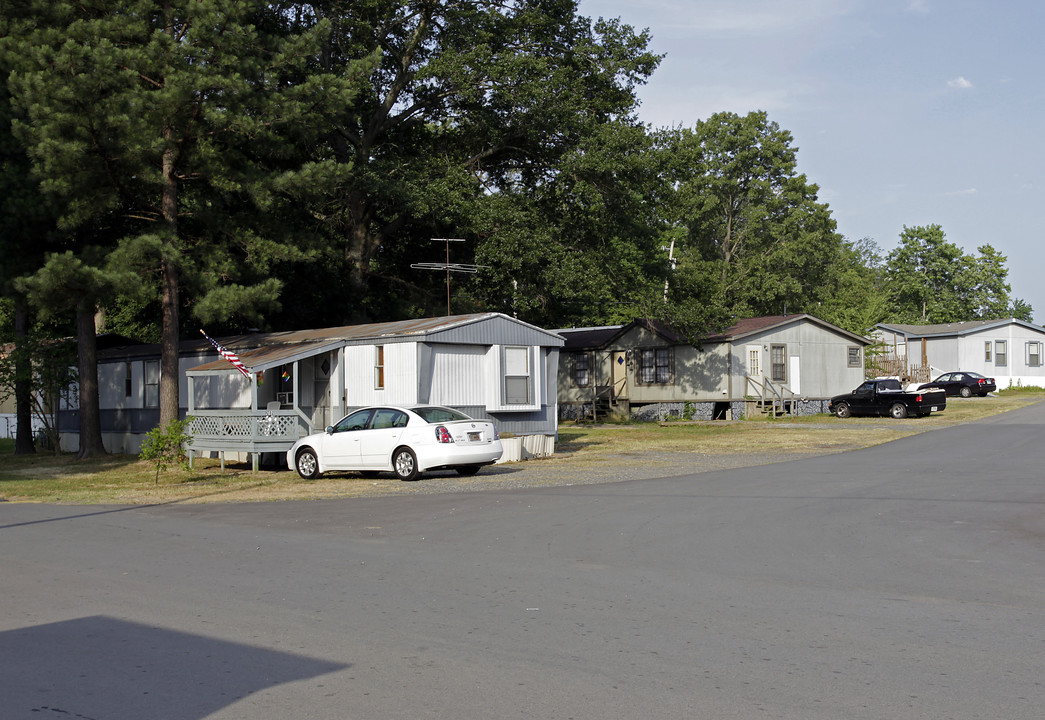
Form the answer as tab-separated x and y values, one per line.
474	437
933	408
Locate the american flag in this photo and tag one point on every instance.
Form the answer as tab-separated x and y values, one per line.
228	355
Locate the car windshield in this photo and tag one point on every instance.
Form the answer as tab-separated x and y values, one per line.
975	376
440	414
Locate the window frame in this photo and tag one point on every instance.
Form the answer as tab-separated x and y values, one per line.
780	376
379	367
655	366
1034	353
579	359
150	387
1001	354
512	380
850	360
987	351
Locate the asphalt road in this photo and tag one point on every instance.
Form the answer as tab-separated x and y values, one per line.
905	580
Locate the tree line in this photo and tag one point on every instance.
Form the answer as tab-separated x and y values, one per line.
275	165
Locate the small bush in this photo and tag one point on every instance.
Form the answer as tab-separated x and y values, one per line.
166	447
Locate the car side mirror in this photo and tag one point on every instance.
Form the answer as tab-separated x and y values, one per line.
330	429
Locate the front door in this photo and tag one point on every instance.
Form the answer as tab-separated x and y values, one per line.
754	363
620	374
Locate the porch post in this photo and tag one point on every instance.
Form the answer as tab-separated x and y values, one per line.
192	407
729	377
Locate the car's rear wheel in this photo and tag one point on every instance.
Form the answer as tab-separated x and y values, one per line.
965	392
404	464
843	410
307	464
467	470
898	411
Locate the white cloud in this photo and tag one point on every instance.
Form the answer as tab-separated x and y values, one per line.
956	193
959	83
718	18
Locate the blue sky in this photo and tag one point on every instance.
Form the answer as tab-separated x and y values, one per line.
904	112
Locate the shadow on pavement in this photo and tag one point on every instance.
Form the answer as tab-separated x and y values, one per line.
101	668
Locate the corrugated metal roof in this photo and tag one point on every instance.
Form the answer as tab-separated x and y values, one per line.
587	338
955	328
259	351
747	326
269	357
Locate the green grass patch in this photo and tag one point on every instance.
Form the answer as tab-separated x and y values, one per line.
125	479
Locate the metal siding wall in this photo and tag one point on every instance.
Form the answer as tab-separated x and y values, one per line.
456	371
824	357
494	331
400	375
542	422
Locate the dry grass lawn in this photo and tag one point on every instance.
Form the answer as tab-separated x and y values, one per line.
122	479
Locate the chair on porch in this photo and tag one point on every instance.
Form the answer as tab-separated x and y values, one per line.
267	424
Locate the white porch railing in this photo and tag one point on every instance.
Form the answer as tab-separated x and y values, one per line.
245	431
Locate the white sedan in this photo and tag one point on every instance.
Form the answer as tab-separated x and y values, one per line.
404	440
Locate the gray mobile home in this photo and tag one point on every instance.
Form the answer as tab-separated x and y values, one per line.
645	369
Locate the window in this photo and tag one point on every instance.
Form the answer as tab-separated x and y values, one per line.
987	351
752	363
999	353
379	367
128	386
777	362
581	370
385	418
854	356
355	421
655	366
517	376
152	383
1033	354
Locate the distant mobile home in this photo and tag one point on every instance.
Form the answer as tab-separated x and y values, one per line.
782	363
1009	350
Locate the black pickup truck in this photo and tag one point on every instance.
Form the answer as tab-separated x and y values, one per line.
887	397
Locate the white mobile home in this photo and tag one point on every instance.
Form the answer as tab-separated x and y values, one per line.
1010	350
487	365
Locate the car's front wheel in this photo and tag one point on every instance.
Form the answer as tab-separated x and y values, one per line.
898	411
842	410
966	392
307	464
404	464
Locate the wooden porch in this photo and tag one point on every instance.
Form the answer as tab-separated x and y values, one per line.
246	431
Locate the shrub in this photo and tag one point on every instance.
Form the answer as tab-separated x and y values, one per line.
166	446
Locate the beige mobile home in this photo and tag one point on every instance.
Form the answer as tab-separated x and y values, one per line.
782	363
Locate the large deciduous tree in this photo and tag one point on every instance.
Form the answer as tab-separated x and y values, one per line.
931	280
470	99
150	119
754	226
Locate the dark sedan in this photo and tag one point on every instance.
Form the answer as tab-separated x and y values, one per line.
965	384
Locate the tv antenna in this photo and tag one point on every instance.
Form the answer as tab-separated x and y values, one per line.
448	266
